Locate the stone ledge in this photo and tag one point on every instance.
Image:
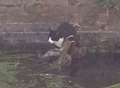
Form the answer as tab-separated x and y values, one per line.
89	41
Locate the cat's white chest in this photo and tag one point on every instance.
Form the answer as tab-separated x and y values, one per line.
57	43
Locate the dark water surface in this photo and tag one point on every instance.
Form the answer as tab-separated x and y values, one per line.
94	70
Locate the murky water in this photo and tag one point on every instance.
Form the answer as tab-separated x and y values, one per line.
94	70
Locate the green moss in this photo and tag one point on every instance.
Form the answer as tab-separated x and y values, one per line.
114	86
7	74
106	3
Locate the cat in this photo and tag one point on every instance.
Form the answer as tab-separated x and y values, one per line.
64	30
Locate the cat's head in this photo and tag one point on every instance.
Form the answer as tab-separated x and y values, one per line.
55	39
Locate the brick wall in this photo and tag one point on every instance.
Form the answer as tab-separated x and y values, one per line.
55	11
31	10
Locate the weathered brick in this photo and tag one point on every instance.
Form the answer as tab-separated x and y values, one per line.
54	11
63	3
10	2
3	10
27	27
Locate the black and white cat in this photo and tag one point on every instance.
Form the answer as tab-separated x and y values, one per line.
63	31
